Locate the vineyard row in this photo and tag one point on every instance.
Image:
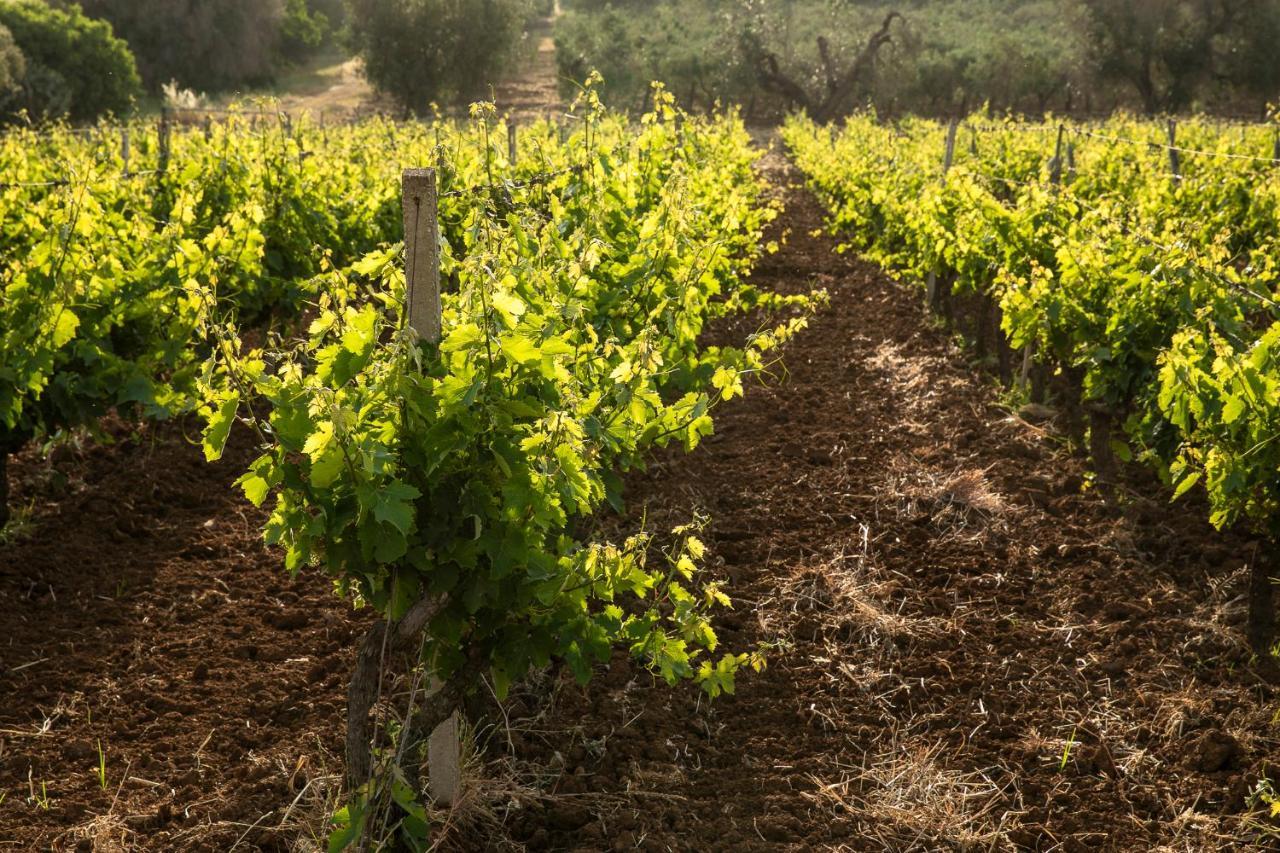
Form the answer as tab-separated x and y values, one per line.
1134	271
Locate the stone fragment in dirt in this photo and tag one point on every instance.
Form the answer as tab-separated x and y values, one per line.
1214	751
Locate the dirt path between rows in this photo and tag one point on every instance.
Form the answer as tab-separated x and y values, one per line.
972	654
954	611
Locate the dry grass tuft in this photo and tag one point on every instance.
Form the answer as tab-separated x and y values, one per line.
958	505
969	490
845	599
906	799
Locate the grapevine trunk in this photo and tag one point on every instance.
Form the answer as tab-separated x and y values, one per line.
1262	608
1104	462
379	643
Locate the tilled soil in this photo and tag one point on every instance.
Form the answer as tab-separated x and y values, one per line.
968	649
142	615
975	653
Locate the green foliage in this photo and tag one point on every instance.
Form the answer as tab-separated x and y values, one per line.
73	66
571	350
421	52
579	284
215	45
464	472
13	65
1154	297
1224	395
1011	53
946	56
1171	51
302	31
100	296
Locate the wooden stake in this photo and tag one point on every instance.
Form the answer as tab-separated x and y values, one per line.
422	253
124	148
511	142
1174	165
1260	626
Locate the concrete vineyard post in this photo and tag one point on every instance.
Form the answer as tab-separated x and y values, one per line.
444	759
948	154
422	253
422	292
511	142
1174	166
124	148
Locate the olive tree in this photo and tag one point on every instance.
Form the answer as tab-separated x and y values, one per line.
72	66
423	51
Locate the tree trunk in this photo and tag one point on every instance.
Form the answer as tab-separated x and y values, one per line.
1104	461
946	284
1004	354
1073	404
1146	87
982	328
1262	608
380	643
839	89
1039	383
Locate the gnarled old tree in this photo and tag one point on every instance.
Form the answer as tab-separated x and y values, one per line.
840	89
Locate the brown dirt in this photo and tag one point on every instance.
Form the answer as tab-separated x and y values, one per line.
953	611
973	654
141	612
